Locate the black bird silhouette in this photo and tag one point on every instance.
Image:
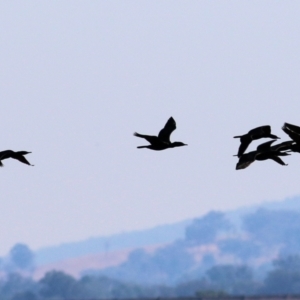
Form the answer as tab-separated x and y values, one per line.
293	132
264	151
19	155
273	152
254	134
162	141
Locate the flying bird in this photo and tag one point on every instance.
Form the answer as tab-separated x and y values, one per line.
254	134
162	141
273	152
19	155
263	152
293	132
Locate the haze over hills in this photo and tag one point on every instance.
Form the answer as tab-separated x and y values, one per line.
292	203
250	251
159	235
128	240
215	245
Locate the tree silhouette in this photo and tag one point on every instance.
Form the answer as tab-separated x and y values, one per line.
285	278
21	256
57	283
204	230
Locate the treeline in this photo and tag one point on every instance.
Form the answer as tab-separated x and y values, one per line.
283	278
216	256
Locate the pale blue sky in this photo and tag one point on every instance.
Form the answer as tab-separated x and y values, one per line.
79	77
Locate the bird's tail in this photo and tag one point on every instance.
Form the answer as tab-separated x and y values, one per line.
138	135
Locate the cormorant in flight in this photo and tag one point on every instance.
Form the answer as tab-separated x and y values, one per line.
19	155
162	141
264	151
254	134
273	152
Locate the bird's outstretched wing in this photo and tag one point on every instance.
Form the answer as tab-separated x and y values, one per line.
260	131
243	147
165	133
265	146
246	160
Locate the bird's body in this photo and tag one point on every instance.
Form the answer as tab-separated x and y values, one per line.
19	155
263	152
155	142
162	141
274	155
254	134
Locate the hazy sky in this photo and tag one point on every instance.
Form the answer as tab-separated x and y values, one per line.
79	77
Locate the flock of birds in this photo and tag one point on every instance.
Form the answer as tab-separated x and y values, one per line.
263	151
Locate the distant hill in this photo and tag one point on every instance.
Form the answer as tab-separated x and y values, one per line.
163	234
236	215
250	238
74	266
128	240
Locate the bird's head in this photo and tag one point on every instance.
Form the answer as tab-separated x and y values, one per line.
23	152
178	144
